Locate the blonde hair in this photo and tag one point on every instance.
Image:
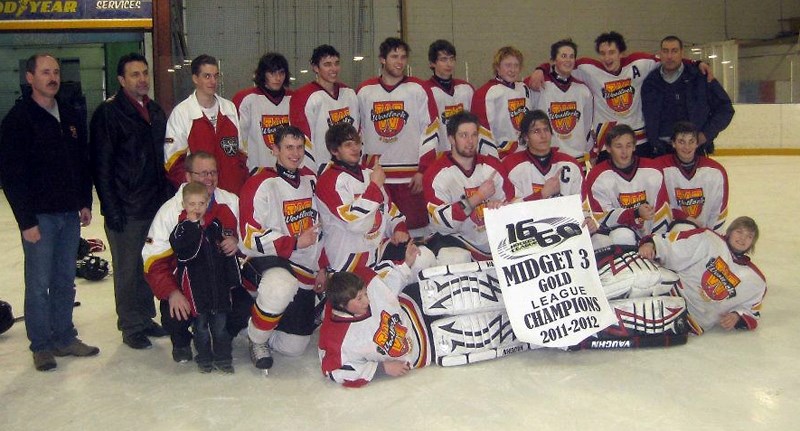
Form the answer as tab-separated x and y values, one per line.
194	188
748	223
506	51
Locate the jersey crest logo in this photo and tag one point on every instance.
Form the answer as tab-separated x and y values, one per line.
270	125
374	231
619	94
690	200
632	200
517	110
391	336
537	188
341	115
451	110
229	145
564	116
388	118
477	214
718	281
298	215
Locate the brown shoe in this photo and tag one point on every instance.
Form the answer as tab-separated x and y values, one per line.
77	348
44	360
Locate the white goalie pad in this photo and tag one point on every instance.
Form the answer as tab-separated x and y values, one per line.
648	316
460	289
459	340
629	275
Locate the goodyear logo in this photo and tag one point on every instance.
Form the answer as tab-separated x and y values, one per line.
516	110
718	281
632	200
18	8
564	116
690	200
388	118
391	336
619	94
451	110
341	115
298	215
270	125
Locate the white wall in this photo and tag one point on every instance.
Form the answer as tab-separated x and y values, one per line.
762	127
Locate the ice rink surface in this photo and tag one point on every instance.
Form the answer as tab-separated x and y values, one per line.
732	381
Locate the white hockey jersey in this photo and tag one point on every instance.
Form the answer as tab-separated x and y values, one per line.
399	124
528	174
570	108
714	281
700	194
449	103
313	110
500	107
260	116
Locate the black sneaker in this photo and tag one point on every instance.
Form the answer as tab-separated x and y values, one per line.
224	368
155	330
137	340
204	368
182	355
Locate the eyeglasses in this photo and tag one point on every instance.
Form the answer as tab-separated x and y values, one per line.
206	174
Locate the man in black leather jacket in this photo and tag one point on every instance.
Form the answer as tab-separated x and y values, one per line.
127	157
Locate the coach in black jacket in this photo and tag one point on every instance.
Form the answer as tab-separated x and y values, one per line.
127	157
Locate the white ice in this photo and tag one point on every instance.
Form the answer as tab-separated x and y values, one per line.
721	380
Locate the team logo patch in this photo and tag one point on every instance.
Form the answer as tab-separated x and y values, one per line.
564	116
690	200
388	118
298	215
451	110
270	125
632	200
477	214
619	94
341	115
391	336
516	110
718	281
229	145
537	188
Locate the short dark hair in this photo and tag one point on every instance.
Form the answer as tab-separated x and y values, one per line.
341	288
390	44
529	119
321	52
560	44
672	38
683	127
202	59
129	58
617	131
285	131
610	37
338	134
188	163
30	63
440	45
460	118
271	62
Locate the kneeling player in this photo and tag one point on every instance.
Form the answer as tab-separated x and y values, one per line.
364	326
720	284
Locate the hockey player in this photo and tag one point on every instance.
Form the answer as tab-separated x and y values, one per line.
568	103
364	326
458	186
452	95
204	121
159	258
279	222
500	103
399	124
720	284
625	194
263	109
696	185
362	225
322	103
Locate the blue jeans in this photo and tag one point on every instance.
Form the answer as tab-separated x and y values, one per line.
50	281
211	338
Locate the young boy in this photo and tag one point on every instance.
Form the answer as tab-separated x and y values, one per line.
206	274
364	326
720	284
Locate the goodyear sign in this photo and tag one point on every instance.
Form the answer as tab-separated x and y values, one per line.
75	14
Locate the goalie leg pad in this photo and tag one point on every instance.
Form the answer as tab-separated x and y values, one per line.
459	340
453	255
460	289
647	316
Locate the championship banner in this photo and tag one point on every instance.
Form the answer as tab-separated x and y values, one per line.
75	14
547	271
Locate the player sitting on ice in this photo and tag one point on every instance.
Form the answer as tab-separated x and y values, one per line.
364	328
720	284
